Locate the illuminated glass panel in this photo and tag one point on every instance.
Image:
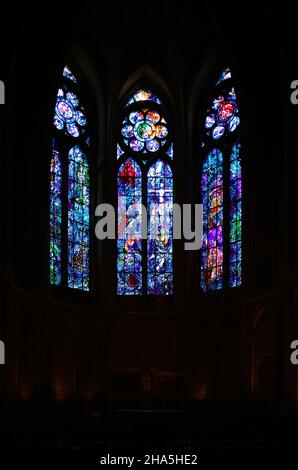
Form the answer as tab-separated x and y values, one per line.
235	217
225	75
170	152
78	219
160	229
55	216
68	74
129	243
222	118
69	114
143	95
212	199
119	151
144	131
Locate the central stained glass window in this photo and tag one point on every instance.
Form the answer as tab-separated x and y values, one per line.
145	180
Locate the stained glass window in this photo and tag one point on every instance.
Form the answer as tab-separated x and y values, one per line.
145	180
221	189
69	189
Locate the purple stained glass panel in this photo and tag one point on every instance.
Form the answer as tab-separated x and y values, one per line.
235	265
221	175
68	74
212	199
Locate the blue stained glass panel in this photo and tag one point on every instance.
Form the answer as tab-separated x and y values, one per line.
225	75
160	229
129	243
55	215
119	151
69	114
78	219
170	152
68	74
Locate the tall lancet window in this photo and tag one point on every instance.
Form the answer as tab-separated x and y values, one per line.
145	182
221	189
69	188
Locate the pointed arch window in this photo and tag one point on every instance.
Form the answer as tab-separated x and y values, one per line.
221	189
69	188
145	180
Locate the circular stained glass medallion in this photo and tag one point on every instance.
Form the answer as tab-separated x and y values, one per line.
222	117
144	131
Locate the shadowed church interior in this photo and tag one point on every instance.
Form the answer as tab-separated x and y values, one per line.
135	342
